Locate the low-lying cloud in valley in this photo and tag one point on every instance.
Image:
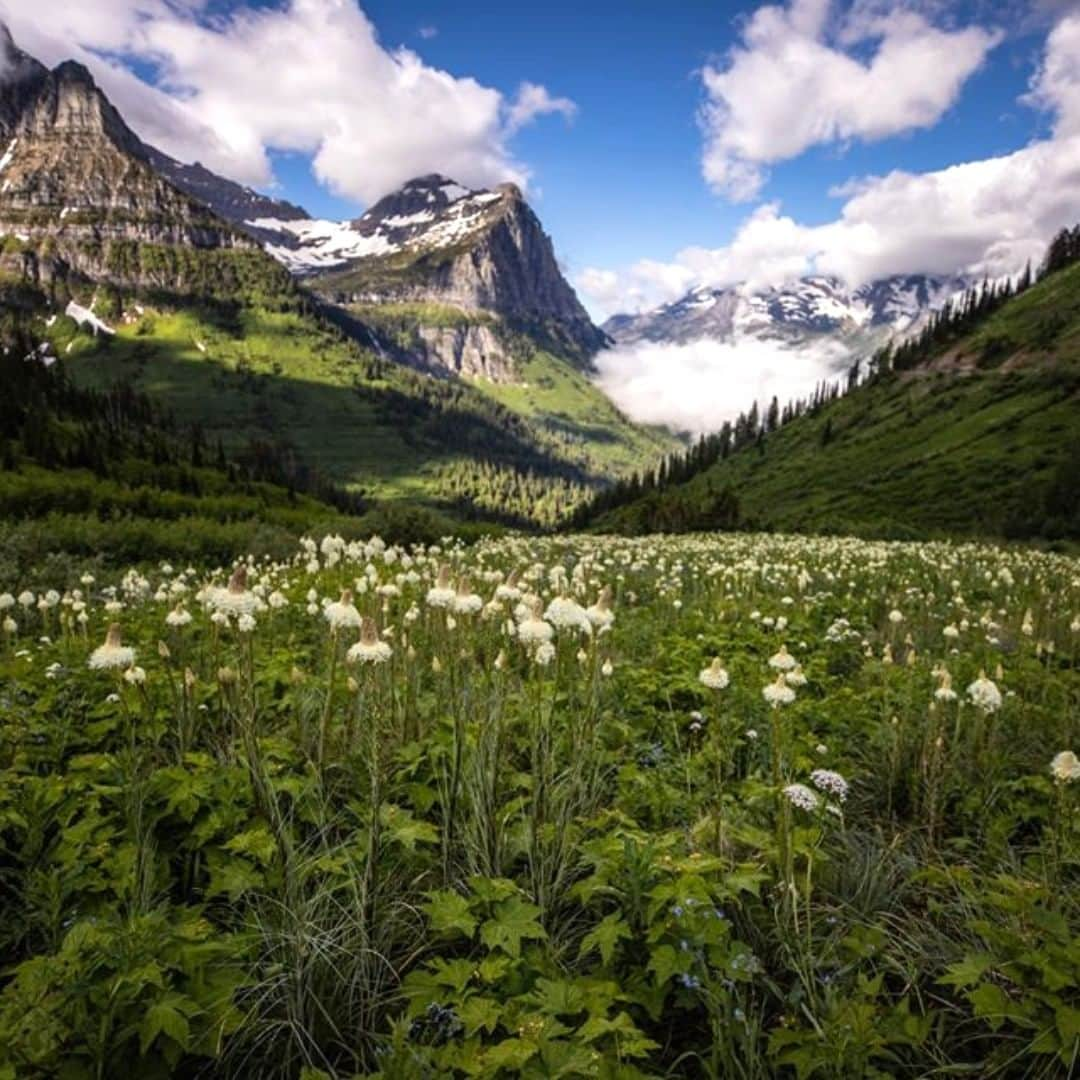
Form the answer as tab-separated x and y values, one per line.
698	385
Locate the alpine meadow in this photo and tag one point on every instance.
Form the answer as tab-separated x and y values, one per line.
433	646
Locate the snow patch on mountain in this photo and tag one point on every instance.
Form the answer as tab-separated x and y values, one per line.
426	214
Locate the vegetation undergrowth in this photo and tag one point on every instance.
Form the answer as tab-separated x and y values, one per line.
738	806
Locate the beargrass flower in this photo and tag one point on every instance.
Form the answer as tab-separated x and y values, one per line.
342	613
600	614
112	655
778	693
568	614
235	599
783	660
441	595
370	649
533	630
179	616
944	692
1065	768
715	677
465	601
984	694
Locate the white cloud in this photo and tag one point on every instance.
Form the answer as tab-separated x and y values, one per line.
697	386
978	217
428	32
1056	85
533	101
308	76
798	80
981	217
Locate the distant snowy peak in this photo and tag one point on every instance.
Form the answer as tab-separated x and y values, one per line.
811	307
428	213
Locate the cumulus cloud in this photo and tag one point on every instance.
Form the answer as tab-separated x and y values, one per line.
309	76
798	79
695	387
985	217
1056	85
532	101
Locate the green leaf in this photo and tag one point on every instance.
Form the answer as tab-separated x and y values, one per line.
969	971
480	1013
990	1003
234	878
163	1017
665	962
406	830
448	913
259	843
515	921
510	1054
605	936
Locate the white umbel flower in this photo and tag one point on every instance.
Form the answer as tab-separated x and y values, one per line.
984	694
1065	768
832	783
802	797
370	649
714	676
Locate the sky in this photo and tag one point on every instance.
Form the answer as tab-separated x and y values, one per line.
662	144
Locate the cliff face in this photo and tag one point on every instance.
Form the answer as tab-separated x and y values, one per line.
436	244
77	194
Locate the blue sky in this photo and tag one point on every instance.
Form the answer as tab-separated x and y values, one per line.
623	181
642	200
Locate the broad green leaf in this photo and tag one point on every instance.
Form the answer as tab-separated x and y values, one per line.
448	913
605	936
163	1017
515	920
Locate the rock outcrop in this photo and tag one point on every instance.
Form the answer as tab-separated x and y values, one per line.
436	242
79	198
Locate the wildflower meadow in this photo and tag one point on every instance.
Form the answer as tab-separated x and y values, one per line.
718	806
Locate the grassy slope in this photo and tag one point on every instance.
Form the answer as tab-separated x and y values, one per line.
567	405
952	448
272	375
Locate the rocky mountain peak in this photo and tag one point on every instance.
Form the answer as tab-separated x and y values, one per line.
423	195
20	77
68	105
810	308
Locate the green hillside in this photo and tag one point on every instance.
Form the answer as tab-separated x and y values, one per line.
981	437
272	371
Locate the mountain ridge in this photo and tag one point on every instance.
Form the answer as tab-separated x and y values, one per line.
801	310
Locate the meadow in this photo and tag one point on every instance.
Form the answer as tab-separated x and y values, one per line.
703	806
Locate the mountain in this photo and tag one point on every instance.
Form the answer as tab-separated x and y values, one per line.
143	273
472	270
970	428
810	309
234	202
